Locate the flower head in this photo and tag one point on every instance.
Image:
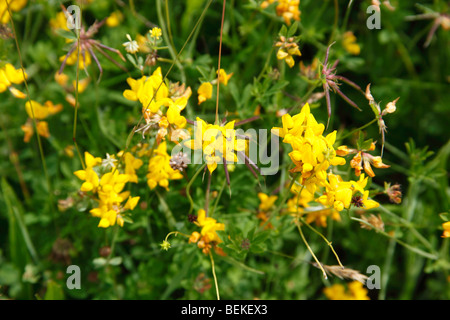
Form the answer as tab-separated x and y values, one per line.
131	46
156	33
287	49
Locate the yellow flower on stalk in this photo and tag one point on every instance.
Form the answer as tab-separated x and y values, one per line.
160	107
208	236
218	143
204	92
88	175
356	291
287	49
14	6
363	159
312	152
287	9
39	112
131	165
349	43
159	169
156	33
446	226
9	76
224	77
266	201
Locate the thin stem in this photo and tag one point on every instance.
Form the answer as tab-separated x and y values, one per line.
171	48
218	67
325	239
218	198
214	275
208	189
404	244
310	250
41	151
188	187
356	130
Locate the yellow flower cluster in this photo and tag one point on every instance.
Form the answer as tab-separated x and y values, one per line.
39	112
362	159
14	5
299	204
312	155
287	49
159	169
207	237
312	152
446	227
287	9
218	143
102	178
161	110
356	291
9	76
341	194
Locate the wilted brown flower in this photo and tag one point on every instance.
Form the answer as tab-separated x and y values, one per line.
375	221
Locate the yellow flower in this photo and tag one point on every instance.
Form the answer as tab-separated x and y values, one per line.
312	152
88	175
266	202
224	77
287	54
131	165
355	291
28	130
159	169
217	143
156	33
59	22
14	5
320	216
39	112
287	9
36	110
114	19
446	226
349	43
10	75
204	92
208	236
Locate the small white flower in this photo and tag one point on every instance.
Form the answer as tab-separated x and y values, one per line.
131	46
109	162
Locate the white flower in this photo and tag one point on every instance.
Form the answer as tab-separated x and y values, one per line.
131	46
109	162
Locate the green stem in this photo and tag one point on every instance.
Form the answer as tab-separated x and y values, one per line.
172	52
427	255
214	275
188	187
356	130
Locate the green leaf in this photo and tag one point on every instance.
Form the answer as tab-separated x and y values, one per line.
54	291
292	29
366	144
66	34
283	31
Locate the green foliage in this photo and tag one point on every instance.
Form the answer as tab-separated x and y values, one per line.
45	223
